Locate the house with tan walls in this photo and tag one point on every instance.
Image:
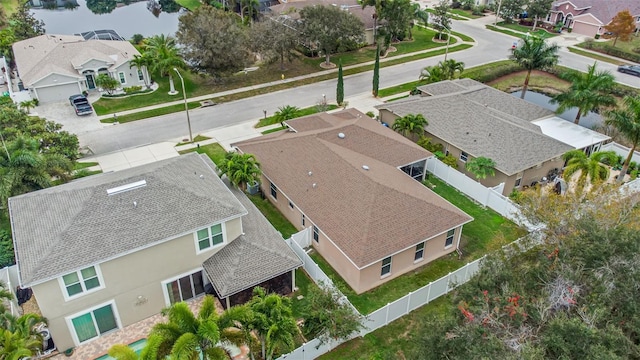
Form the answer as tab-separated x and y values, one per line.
589	17
357	184
54	67
106	251
471	120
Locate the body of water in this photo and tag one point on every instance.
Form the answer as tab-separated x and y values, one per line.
590	120
126	20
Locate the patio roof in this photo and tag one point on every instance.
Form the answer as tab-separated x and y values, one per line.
260	254
569	133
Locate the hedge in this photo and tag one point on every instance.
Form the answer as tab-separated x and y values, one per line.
610	50
490	72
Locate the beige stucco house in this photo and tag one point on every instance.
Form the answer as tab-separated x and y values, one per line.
589	17
54	67
471	120
357	184
106	251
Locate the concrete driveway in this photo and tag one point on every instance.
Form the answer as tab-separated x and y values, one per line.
62	112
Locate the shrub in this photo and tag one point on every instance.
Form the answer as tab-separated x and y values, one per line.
132	89
478	10
371	114
451	161
136	39
633	165
588	44
597	36
634	174
486	74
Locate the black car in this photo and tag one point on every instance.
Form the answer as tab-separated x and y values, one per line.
630	69
80	105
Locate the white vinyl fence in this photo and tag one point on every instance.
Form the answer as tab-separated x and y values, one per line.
9	279
396	309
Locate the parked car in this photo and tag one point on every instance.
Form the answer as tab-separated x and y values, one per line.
80	104
630	69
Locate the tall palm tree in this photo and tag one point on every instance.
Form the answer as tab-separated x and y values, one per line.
149	352
273	322
142	63
410	125
378	5
187	335
533	53
241	169
162	49
240	318
627	121
591	168
588	91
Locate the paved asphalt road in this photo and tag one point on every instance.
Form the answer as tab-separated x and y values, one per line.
491	46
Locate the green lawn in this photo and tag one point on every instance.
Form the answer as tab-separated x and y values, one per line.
406	87
465	13
539	32
196	139
489	231
9	6
303	281
270	120
215	152
274	216
189	4
628	46
595	56
454	16
84	165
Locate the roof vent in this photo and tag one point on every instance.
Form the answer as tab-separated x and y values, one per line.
127	187
314	185
341	135
310	173
365	167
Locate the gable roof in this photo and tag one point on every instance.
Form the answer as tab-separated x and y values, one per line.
483	121
603	10
368	213
258	255
39	56
59	229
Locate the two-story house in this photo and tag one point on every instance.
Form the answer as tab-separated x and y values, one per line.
357	184
589	17
106	251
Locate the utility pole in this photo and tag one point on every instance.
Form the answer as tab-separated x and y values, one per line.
497	13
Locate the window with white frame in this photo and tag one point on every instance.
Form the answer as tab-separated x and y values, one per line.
386	266
450	235
316	235
274	190
209	237
82	281
518	182
464	156
419	252
140	75
185	288
94	323
123	79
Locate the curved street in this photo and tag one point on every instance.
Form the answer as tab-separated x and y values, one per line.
490	46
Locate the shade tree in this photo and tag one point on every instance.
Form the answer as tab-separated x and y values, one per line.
622	26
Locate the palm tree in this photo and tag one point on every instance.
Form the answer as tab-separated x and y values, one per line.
285	113
627	121
241	169
187	336
165	56
378	5
451	68
149	352
273	322
417	14
481	167
533	53
142	62
240	318
15	346
590	168
252	7
409	125
588	91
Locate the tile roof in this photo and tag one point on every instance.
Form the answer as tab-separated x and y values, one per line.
42	55
257	256
483	121
74	225
368	214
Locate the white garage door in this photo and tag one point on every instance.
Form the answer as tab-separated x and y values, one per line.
57	93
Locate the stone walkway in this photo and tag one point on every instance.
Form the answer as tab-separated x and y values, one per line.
133	333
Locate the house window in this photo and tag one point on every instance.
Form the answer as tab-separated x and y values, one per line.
316	236
81	281
94	323
140	75
291	205
274	191
123	79
386	267
303	219
450	235
209	237
464	156
518	181
419	252
185	288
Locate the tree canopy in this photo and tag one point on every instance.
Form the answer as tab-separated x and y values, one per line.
511	8
538	9
482	167
441	19
627	120
622	26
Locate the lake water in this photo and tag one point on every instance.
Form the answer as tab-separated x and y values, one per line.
589	121
125	20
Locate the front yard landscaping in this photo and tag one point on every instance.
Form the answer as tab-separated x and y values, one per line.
270	120
489	231
215	152
524	29
627	50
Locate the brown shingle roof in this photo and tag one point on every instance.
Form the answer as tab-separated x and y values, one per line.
292	9
369	214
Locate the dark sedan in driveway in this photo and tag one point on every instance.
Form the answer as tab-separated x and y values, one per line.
630	69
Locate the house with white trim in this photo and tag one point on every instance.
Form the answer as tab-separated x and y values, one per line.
589	17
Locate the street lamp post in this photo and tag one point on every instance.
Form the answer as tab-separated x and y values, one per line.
186	107
497	13
446	49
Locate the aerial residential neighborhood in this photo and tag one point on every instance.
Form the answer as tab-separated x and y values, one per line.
264	179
